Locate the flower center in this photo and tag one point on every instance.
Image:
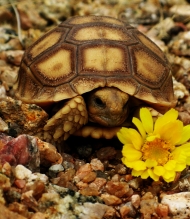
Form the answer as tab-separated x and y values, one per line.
158	150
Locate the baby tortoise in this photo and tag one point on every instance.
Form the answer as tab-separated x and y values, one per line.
94	66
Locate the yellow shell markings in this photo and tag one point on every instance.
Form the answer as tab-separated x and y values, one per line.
151	45
90	19
100	32
48	41
103	58
53	67
145	65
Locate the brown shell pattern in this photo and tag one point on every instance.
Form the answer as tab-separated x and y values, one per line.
84	53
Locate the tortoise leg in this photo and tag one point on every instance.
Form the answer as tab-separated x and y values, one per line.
72	116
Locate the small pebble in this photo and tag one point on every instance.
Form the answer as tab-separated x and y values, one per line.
54	169
22	172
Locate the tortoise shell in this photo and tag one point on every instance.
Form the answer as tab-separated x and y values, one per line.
84	53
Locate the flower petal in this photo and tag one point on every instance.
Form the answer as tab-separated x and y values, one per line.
169	176
159	170
169	116
188	161
185	148
145	174
139	165
170	165
139	126
153	175
131	153
180	167
136	173
172	132
179	155
126	162
150	163
123	136
146	119
136	138
185	135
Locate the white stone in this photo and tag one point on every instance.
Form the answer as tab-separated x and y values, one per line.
179	204
22	172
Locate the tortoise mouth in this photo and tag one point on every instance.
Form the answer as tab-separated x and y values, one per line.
108	121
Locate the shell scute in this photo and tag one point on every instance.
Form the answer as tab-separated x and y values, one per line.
102	59
148	69
57	66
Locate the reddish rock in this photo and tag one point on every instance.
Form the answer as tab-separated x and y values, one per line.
81	185
20	183
39	215
7	214
111	199
65	177
14	57
124	210
48	153
83	171
97	164
119	189
162	210
89	191
89	177
110	213
21	150
98	183
19	208
148	205
28	199
38	188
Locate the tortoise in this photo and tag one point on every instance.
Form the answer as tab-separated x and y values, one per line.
94	67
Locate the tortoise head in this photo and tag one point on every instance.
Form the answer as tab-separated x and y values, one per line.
107	106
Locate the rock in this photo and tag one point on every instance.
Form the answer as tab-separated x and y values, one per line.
162	210
55	169
88	191
119	189
135	200
127	210
22	118
13	57
21	150
20	183
111	199
121	169
148	205
48	153
83	171
98	183
39	215
106	153
178	204
22	172
97	164
5	183
135	183
66	178
28	199
89	177
7	214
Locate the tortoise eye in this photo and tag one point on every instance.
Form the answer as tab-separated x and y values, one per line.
99	102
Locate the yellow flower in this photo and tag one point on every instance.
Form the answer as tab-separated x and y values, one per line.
157	149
